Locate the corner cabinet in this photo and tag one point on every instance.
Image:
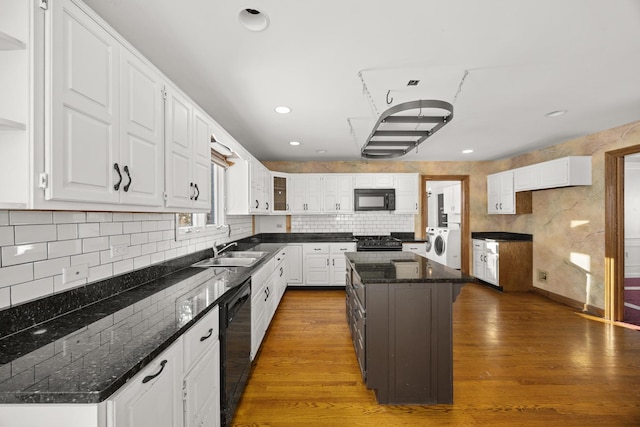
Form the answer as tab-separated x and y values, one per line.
248	188
562	172
501	197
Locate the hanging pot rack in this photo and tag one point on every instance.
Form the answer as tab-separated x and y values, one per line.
395	134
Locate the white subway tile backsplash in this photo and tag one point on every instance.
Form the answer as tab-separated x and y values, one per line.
99	217
33	269
67	231
30	217
16	274
132	227
4	217
31	290
6	236
69	217
20	254
95	244
100	272
92	258
35	233
91	229
123	266
110	228
50	267
64	248
5	297
122	216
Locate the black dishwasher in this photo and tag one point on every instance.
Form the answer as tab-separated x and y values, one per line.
235	331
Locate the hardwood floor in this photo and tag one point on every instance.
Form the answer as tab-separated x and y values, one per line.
519	360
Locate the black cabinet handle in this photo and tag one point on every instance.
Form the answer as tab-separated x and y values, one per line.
150	377
191	187
126	187
207	336
257	204
281	271
198	191
117	185
267	207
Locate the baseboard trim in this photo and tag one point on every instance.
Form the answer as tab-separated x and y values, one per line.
585	308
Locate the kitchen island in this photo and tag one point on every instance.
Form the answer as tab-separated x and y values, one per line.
399	309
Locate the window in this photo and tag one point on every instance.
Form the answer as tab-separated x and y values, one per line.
188	224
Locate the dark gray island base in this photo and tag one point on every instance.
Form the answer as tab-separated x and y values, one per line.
399	309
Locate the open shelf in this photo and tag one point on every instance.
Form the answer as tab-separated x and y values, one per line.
6	124
10	43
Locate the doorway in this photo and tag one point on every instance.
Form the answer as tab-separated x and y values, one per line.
465	233
622	235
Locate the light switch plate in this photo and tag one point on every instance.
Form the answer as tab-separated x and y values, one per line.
74	273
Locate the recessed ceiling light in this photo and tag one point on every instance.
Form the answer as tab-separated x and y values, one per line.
556	113
253	19
321	151
283	109
467	151
294	143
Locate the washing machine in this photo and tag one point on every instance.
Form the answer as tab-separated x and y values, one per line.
446	247
431	235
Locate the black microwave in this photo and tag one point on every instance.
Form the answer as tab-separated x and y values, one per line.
374	199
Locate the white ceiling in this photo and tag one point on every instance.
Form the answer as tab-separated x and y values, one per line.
503	64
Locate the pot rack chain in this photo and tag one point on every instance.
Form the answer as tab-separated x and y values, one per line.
365	91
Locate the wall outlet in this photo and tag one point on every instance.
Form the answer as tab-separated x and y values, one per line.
119	250
74	273
543	276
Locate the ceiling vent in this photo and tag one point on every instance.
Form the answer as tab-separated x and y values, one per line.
403	127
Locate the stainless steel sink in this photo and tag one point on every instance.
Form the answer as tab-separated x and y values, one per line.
233	259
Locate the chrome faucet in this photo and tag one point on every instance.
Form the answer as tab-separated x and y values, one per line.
217	251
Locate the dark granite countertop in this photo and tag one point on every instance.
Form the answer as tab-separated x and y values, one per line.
502	236
402	267
87	354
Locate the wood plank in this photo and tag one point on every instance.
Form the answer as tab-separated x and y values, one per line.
519	359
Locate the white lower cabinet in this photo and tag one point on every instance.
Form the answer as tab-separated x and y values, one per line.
419	248
485	261
294	264
262	293
325	264
153	397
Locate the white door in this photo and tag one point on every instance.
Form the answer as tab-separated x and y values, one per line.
294	264
507	195
202	161
316	269
330	193
178	151
298	194
84	109
407	193
345	193
141	133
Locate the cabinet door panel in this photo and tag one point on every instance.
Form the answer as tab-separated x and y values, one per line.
201	386
84	112
178	151
141	132
202	160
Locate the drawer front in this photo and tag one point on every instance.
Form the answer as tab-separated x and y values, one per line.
316	248
200	337
342	247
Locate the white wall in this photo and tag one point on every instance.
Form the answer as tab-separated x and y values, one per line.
36	245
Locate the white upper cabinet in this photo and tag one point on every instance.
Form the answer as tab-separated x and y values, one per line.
407	194
500	194
374	180
84	163
248	188
337	193
141	132
306	193
452	199
562	172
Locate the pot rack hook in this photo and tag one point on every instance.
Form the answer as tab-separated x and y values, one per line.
389	101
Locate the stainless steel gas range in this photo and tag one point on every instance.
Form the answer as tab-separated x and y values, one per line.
378	243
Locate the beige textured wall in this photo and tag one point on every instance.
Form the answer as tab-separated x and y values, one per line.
567	223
